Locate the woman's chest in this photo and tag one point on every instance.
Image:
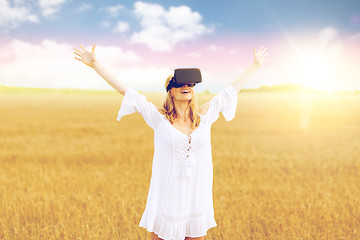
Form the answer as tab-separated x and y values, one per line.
184	127
181	145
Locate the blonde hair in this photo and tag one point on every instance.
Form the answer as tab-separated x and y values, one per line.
168	108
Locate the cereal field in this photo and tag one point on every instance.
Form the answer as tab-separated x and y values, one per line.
287	167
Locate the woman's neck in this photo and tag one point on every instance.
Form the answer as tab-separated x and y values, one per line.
180	107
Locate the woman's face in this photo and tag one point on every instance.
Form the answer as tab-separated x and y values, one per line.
183	93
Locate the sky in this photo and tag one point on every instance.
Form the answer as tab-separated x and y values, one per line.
314	43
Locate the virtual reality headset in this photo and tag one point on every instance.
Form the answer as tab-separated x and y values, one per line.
185	76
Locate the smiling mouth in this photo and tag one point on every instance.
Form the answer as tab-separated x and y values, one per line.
185	91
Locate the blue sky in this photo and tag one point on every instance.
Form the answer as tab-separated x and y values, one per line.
217	36
229	17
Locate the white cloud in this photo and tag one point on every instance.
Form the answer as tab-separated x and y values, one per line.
145	78
234	51
50	7
115	55
84	7
162	29
328	39
149	14
192	55
121	27
213	48
327	34
113	11
52	64
355	37
105	24
11	17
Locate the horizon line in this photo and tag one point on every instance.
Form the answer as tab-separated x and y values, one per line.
292	87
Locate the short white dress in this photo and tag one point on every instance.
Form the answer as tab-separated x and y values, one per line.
179	202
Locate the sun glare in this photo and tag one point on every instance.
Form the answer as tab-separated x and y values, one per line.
317	72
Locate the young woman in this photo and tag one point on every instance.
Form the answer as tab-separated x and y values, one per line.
179	204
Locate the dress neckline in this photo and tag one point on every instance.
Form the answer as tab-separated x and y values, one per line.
192	133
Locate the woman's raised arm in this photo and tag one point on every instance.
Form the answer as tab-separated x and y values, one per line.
89	58
259	60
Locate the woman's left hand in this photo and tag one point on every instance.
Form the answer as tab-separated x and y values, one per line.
260	56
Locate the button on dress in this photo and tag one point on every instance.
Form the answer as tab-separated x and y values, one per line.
179	202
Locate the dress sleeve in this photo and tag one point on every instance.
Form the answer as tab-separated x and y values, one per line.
225	102
136	102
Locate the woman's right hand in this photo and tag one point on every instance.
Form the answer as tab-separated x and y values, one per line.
89	58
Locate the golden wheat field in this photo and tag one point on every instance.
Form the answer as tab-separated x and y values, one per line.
287	167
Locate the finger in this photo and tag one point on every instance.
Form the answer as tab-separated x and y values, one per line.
93	48
254	50
77	58
83	47
264	50
266	54
260	48
78	51
77	54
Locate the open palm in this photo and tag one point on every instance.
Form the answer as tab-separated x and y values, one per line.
86	57
260	56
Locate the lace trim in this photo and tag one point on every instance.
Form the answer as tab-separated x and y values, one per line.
188	151
166	229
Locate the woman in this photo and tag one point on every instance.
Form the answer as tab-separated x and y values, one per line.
179	203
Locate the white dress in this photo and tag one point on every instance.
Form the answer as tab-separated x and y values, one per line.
179	202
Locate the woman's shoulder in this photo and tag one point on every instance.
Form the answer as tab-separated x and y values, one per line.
160	109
